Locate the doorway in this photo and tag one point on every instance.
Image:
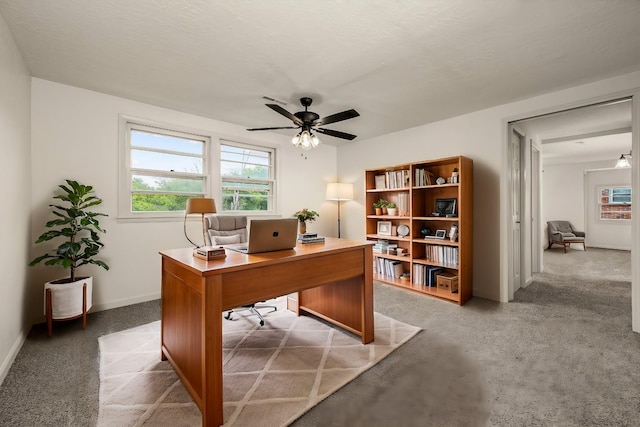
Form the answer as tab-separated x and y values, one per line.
568	136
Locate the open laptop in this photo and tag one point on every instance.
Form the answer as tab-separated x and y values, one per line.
267	235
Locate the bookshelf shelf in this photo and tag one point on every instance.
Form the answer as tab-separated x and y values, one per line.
427	262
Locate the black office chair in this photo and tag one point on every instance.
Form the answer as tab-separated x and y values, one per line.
225	230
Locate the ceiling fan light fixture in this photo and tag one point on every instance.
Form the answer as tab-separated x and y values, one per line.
315	141
296	140
305	140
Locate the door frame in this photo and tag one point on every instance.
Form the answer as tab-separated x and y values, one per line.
505	196
516	253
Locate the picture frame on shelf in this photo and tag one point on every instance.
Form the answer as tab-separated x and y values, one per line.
384	228
440	234
445	208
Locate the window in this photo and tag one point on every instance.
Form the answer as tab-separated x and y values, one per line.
247	177
614	203
162	168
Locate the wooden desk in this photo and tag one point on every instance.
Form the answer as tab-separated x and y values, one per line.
334	281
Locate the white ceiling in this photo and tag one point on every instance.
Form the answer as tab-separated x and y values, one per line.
399	64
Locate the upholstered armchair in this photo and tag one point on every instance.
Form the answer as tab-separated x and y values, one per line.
563	233
227	230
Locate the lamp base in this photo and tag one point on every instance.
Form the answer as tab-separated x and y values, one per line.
209	252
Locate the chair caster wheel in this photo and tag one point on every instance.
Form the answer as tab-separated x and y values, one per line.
262	323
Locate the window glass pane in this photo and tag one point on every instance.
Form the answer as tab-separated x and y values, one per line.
618	191
621	198
247	174
158	202
244	170
245	162
166	142
154	183
165	162
243	200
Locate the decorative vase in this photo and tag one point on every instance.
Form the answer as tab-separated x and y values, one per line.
302	227
392	211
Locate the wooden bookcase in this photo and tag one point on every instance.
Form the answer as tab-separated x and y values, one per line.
413	188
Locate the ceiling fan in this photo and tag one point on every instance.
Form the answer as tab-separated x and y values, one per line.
308	121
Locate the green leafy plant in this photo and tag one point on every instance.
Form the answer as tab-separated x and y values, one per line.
305	215
77	226
381	203
391	205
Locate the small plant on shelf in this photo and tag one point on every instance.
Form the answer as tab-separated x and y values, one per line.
392	208
379	205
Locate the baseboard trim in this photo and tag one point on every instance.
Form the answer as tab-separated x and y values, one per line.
13	353
609	247
124	302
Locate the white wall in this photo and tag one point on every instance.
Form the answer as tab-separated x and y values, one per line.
75	135
15	175
482	136
563	193
569	192
602	233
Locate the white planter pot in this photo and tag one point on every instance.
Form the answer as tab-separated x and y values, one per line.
66	298
392	211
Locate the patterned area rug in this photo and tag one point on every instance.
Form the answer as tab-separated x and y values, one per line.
272	374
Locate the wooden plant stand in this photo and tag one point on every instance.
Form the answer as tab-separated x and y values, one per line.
49	310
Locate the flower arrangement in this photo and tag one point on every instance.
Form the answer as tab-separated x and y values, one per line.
305	215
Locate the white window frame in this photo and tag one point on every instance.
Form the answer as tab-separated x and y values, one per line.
271	181
611	204
126	124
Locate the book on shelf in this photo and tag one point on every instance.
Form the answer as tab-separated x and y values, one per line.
380	181
424	177
388	267
425	275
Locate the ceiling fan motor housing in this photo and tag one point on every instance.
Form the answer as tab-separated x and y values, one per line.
307	116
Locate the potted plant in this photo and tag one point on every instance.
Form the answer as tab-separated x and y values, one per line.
392	208
70	297
378	205
303	216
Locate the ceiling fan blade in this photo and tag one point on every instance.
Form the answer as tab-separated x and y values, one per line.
338	117
279	109
285	127
336	133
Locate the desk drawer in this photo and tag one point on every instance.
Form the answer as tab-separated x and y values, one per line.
256	284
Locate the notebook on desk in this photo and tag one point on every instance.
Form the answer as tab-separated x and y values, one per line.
267	235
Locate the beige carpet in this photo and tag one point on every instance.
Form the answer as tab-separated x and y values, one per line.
272	374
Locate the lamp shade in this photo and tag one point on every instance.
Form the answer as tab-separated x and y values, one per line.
200	205
339	191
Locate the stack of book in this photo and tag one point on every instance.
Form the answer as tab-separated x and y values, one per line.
383	246
310	238
209	253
